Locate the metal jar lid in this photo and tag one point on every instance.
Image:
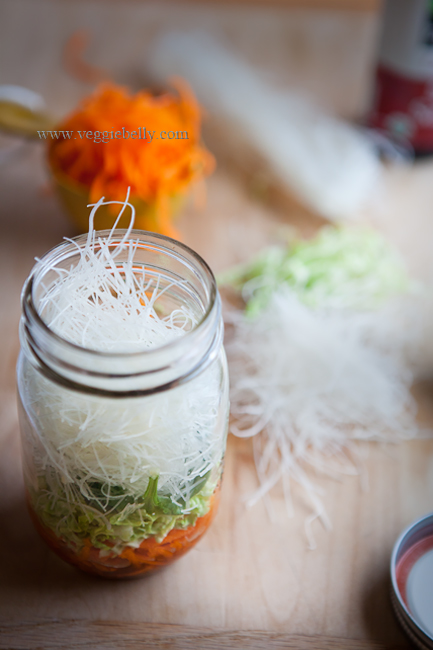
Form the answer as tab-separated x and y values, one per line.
412	581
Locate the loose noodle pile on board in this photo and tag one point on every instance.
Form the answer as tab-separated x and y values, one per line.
318	358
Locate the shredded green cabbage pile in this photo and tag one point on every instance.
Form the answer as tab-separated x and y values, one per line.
339	268
120	521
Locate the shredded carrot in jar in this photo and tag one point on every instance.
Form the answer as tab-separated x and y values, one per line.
152	145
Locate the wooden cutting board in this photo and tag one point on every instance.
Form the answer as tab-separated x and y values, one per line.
250	583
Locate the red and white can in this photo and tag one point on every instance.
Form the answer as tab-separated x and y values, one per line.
403	101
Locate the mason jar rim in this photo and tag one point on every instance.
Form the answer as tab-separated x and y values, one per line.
149	362
29	307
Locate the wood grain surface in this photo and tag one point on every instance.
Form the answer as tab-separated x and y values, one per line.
71	635
250	583
248	579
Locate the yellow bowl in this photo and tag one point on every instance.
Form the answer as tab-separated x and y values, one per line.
75	199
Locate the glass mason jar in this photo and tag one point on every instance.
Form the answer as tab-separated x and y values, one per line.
123	451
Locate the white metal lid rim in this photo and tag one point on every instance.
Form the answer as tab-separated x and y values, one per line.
417	632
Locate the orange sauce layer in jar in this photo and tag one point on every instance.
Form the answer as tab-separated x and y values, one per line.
131	562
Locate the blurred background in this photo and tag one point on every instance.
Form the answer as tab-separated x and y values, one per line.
288	89
326	47
310	61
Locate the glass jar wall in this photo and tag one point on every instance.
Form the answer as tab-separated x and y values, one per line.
123	448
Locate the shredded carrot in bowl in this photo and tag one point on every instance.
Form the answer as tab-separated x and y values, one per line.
160	162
